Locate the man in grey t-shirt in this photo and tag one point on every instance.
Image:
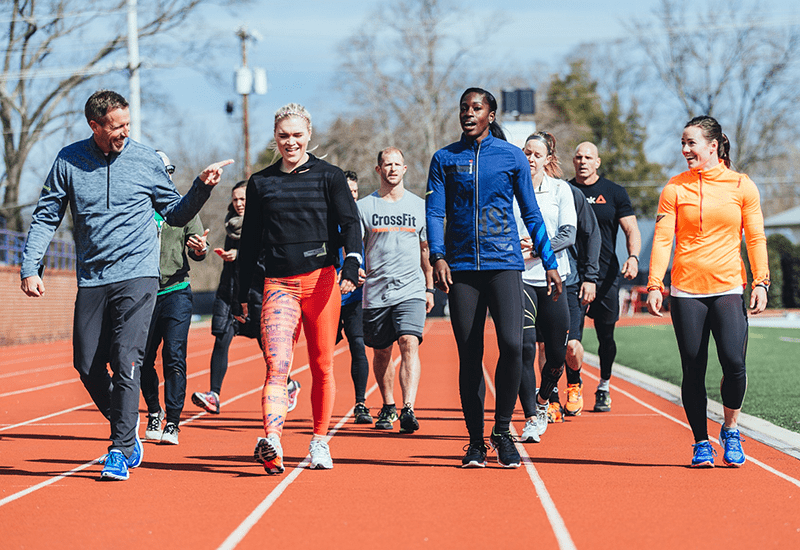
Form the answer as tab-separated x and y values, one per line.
398	290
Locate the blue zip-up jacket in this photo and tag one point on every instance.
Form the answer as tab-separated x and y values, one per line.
472	185
112	200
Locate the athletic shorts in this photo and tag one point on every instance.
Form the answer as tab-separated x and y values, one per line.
384	325
576	312
605	307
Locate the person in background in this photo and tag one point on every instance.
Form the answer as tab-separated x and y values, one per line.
223	325
398	287
351	324
172	317
546	320
613	210
705	210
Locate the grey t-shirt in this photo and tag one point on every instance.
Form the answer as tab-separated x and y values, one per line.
392	233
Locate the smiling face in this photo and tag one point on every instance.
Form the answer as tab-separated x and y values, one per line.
697	150
292	136
112	130
475	116
536	151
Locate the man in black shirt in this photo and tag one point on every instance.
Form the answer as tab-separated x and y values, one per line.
613	209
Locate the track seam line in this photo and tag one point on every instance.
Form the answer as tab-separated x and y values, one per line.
755	461
258	512
560	530
52	480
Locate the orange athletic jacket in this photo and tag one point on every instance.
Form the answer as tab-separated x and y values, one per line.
706	210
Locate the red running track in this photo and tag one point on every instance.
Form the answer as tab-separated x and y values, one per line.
611	480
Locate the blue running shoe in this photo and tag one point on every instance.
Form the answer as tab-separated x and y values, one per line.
731	442
116	467
704	455
138	451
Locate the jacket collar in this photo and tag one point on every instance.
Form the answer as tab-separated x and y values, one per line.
712	172
471	144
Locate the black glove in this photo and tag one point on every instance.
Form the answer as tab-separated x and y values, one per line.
350	269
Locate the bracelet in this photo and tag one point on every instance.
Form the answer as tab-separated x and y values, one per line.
764	286
634	256
431	290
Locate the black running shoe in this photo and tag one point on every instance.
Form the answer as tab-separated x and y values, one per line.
507	454
475	457
386	417
408	422
361	414
602	401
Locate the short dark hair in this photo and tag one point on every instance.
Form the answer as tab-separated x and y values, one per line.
350	175
101	102
239	185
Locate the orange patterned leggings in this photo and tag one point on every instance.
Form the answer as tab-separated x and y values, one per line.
313	299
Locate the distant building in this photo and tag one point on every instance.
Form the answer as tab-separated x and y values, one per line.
787	223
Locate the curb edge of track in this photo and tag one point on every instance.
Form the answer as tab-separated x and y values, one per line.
781	439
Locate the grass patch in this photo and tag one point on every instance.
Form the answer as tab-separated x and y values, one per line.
773	369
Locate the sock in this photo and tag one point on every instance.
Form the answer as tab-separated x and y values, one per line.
554	396
573	376
603	385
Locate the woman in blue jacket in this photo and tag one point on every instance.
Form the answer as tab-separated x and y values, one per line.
477	260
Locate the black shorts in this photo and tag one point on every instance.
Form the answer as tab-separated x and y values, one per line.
384	325
577	311
605	308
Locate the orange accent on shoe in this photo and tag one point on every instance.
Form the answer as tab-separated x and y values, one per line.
554	415
574	404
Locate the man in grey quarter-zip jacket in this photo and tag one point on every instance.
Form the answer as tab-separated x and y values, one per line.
112	186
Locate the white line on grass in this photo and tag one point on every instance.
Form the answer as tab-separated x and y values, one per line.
556	521
755	461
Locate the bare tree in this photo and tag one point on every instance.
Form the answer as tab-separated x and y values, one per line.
726	59
53	48
406	70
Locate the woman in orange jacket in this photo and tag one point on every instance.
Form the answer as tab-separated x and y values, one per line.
706	209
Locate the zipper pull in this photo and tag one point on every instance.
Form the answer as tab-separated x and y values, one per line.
470	166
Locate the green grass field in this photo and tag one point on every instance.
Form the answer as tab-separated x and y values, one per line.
773	367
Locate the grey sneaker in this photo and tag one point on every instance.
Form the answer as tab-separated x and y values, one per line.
320	455
170	434
269	452
154	425
530	434
541	417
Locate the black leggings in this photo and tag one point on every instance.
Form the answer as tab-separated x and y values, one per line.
552	319
606	348
471	294
693	320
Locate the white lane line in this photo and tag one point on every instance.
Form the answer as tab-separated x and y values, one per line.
556	521
42	387
755	461
61	476
71	409
255	516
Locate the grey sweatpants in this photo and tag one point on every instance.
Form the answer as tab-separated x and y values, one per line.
110	326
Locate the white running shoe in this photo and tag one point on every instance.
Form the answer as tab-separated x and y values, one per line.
154	425
269	452
530	434
541	417
320	455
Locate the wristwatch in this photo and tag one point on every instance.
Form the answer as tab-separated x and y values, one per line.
435	257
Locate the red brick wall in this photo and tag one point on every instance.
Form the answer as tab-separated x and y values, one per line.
24	320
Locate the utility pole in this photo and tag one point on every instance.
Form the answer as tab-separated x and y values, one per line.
133	68
247	82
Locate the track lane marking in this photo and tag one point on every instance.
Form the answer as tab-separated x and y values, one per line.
551	511
668	416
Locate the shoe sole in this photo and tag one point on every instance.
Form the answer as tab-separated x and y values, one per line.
108	476
168	441
474	464
203	404
152	436
511	465
293	402
601	409
363	420
531	439
267	455
576	413
703	465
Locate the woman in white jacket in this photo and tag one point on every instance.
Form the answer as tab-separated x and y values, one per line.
546	319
